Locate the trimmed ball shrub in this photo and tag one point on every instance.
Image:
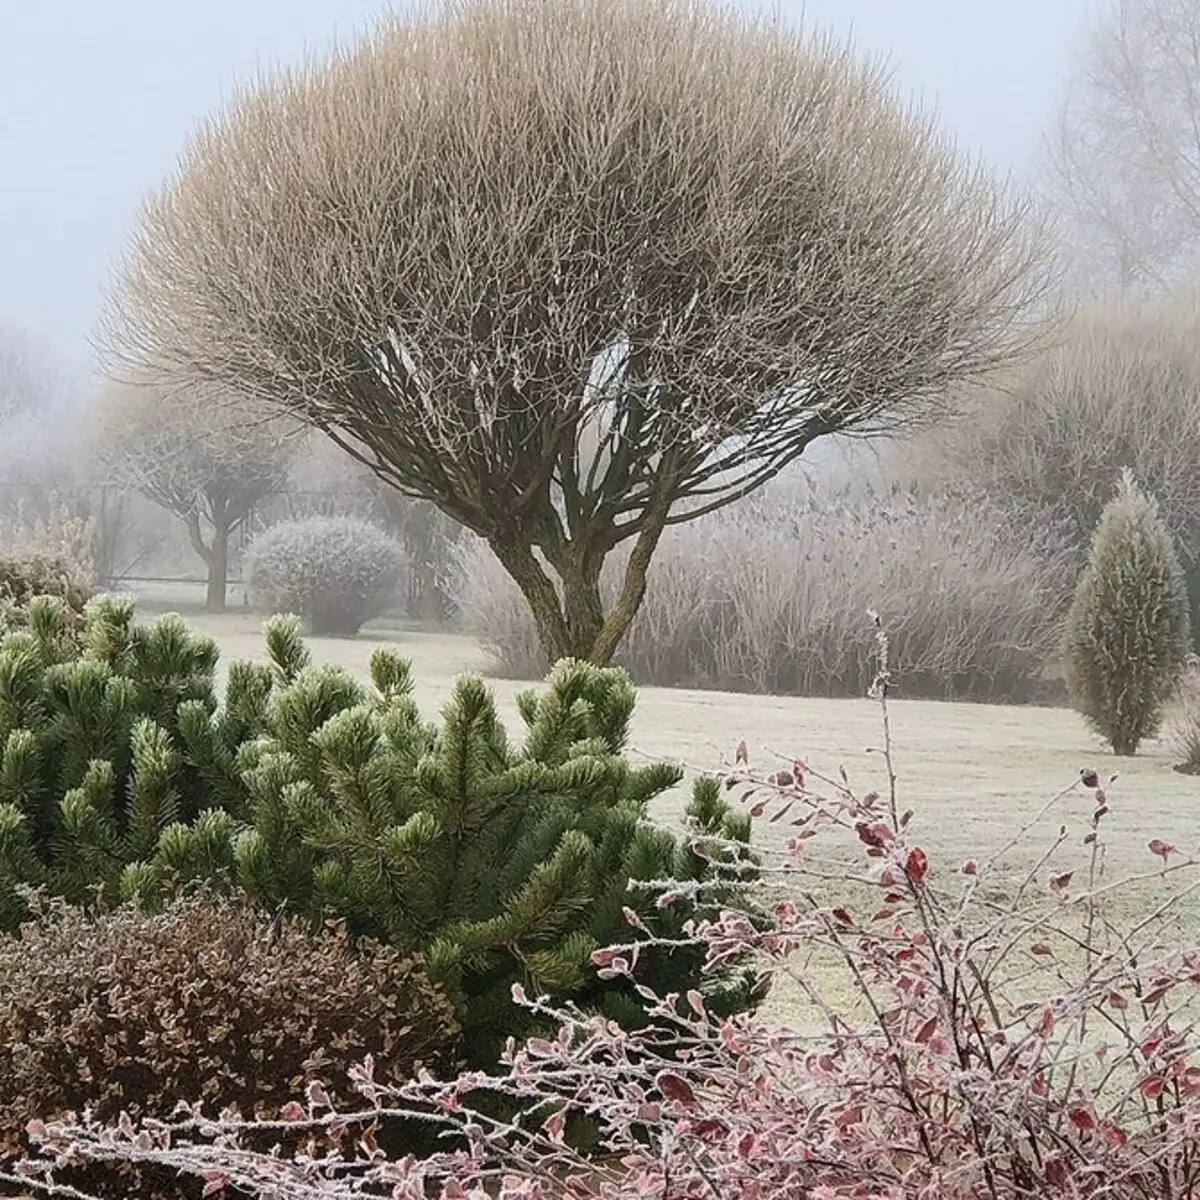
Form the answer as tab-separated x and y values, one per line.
210	1000
334	572
1128	634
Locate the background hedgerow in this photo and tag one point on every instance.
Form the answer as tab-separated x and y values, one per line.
334	572
769	597
1002	1037
1183	723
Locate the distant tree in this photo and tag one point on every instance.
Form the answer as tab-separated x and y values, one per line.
577	270
31	381
199	456
1125	152
1127	632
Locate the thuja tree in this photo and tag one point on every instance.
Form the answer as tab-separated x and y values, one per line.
577	270
106	740
499	863
1128	634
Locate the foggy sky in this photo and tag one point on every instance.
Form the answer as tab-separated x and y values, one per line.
97	97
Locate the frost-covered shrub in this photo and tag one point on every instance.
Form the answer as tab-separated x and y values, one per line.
335	572
1128	631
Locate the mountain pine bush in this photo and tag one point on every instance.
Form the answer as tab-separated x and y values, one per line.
1127	636
498	863
121	777
108	735
209	1001
334	572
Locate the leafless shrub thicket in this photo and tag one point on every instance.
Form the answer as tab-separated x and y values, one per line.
536	264
773	597
1120	389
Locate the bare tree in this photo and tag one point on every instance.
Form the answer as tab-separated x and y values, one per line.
199	456
1125	154
31	382
577	270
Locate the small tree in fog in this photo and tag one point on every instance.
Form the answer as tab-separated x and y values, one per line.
1127	635
1125	154
577	270
199	456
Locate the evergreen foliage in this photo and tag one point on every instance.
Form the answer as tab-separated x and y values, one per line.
107	737
499	863
1128	635
121	778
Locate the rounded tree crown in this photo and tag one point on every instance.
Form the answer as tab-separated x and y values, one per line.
493	231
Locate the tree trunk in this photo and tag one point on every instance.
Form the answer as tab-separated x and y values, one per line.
218	572
215	559
570	619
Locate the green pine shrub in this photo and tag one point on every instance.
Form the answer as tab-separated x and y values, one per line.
1128	635
209	1001
498	863
121	777
108	735
334	572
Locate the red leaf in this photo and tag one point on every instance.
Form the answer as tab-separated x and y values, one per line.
916	867
1117	1001
970	867
746	1145
743	752
798	772
675	1087
875	835
1081	1117
1114	1136
1040	948
1059	883
1164	850
1152	1086
292	1111
848	1117
842	916
214	1182
926	1031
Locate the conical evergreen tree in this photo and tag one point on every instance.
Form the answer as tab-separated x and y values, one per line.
1128	635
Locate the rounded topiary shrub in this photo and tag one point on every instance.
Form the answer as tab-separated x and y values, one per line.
1128	636
334	572
209	1001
